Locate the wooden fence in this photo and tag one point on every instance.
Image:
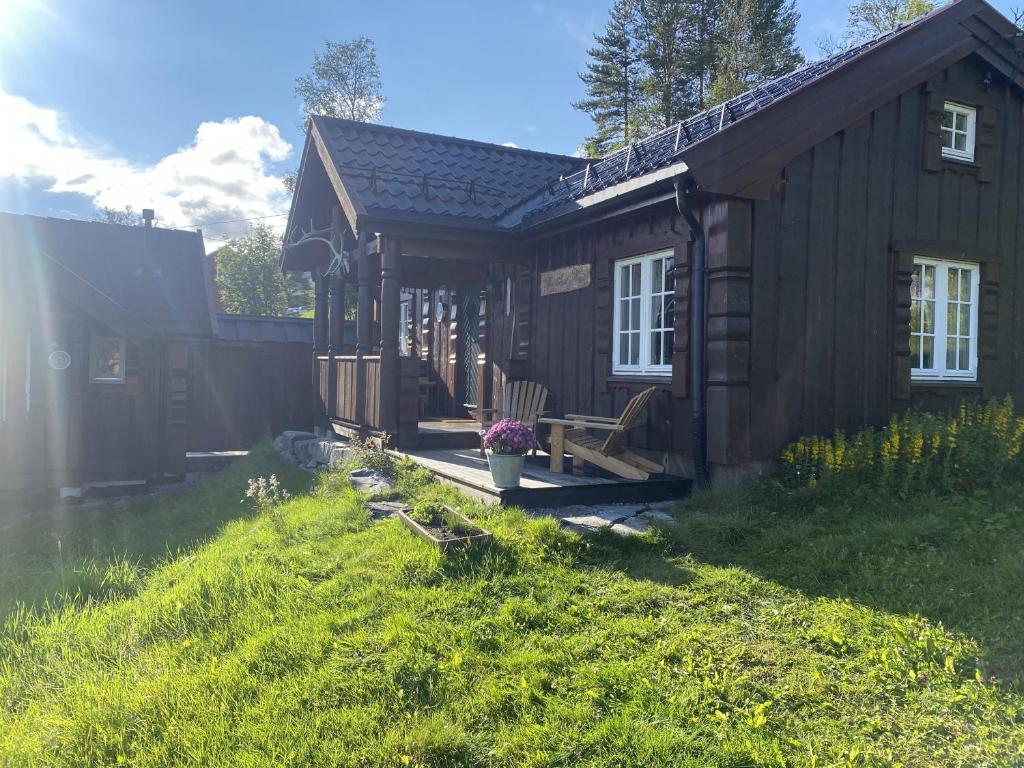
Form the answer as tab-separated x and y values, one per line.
244	392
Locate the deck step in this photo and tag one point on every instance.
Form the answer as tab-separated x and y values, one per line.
541	488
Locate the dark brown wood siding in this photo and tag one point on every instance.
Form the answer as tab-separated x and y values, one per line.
564	340
833	246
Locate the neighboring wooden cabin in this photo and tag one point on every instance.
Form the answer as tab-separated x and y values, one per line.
113	364
861	224
94	350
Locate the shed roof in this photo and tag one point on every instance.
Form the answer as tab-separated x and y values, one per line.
259	329
154	276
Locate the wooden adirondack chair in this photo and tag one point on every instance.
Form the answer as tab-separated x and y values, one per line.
522	400
569	435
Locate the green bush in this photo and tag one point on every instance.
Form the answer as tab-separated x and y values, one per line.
971	448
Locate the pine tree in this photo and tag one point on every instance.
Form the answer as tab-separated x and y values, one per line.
665	28
757	42
612	80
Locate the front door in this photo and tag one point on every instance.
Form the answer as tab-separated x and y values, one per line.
469	344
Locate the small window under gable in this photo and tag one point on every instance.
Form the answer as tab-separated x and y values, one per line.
944	320
958	131
644	315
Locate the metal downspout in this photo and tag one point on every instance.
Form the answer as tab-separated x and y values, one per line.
685	187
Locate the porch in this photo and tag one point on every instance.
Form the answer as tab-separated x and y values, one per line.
466	469
420	363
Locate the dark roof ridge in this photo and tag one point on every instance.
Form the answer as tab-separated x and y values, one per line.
443	137
827	65
175	230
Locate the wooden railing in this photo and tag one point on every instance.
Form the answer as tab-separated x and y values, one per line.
345	397
346	404
372	413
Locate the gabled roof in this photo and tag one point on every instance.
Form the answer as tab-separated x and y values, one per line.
153	278
736	148
672	145
400	175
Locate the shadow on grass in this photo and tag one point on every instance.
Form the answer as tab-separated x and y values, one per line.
956	561
64	549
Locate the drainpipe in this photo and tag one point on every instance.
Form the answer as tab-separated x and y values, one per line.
685	187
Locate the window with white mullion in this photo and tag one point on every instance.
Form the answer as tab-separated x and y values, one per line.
944	320
922	317
958	129
630	298
959	304
644	314
662	312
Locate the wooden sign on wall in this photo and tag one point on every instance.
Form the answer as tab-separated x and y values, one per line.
565	280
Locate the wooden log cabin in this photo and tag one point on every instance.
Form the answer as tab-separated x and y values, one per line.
831	247
114	363
98	321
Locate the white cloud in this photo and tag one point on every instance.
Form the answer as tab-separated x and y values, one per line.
580	29
511	144
224	173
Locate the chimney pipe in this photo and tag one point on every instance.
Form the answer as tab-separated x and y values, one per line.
147	216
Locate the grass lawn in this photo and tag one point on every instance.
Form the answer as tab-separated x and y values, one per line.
763	629
67	549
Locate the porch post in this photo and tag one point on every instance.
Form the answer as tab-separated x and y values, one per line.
364	328
334	342
320	404
390	313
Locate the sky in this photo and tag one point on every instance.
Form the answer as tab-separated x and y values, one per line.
188	107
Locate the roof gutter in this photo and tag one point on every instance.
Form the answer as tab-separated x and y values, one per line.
685	186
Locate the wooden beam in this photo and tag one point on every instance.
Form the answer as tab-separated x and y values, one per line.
321	406
431	248
434	273
364	329
336	304
389	327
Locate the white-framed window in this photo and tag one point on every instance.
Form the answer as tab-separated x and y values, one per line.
644	315
106	360
944	320
958	129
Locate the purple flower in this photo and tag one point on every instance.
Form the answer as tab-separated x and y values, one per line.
510	438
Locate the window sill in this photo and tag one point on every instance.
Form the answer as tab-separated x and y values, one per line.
640	378
946	384
968	161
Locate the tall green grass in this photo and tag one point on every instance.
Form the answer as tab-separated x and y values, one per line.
754	632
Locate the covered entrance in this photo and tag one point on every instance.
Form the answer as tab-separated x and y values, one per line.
420	361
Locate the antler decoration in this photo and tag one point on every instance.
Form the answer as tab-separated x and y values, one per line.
332	236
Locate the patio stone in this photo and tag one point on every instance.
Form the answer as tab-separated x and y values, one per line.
380	510
631	527
657	516
600	517
369	481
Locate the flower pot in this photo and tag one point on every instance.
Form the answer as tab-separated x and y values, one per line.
505	469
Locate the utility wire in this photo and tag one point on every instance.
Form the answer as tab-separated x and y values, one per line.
231	221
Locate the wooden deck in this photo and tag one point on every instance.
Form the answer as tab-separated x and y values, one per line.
467	469
448	433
